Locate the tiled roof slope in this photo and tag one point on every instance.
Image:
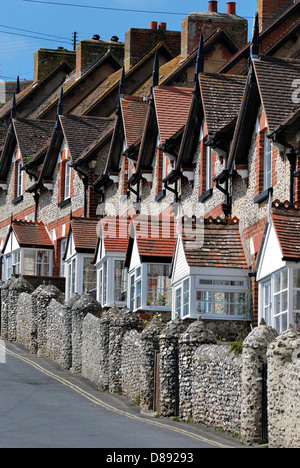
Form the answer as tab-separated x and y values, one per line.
172	109
222	97
155	235
286	222
31	234
85	234
80	132
32	135
220	245
114	230
276	78
134	113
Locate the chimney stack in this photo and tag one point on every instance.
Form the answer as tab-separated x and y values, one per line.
213	7
139	42
231	8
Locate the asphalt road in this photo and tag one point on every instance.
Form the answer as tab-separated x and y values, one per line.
42	406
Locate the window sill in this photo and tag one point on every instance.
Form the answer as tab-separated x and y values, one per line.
64	203
263	196
17	200
205	195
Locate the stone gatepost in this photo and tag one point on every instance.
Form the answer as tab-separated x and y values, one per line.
120	323
196	335
26	323
280	356
41	299
169	367
150	347
85	305
15	289
254	411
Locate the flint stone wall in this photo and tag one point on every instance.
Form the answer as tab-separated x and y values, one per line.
283	359
217	387
130	365
95	350
59	331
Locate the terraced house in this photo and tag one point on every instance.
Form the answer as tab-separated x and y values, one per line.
162	173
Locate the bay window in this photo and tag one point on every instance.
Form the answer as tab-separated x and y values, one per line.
280	298
214	298
150	287
221	297
31	262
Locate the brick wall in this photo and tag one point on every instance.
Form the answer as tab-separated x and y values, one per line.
139	42
269	9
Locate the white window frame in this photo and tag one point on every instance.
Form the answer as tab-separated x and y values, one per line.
267	163
102	283
208	181
67	189
214	287
12	263
182	291
286	298
20	179
63	245
138	280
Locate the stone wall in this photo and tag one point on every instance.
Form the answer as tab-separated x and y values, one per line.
198	378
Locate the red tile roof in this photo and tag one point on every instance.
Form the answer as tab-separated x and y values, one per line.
134	111
31	235
219	246
172	109
286	222
155	235
85	235
115	232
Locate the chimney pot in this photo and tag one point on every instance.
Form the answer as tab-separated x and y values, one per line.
162	26
231	8
153	25
213	7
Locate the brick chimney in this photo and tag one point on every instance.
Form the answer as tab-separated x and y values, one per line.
196	24
89	51
47	59
139	42
269	9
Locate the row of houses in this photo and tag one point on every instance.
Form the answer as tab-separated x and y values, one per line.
162	174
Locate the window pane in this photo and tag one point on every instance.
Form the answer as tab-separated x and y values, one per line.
158	285
120	281
277	286
296	278
138	294
178	302
186	298
89	278
132	289
296	300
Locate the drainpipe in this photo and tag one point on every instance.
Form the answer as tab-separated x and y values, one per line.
291	155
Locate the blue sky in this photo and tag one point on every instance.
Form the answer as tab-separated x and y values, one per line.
42	21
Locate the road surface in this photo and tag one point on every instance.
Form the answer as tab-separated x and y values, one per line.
42	406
